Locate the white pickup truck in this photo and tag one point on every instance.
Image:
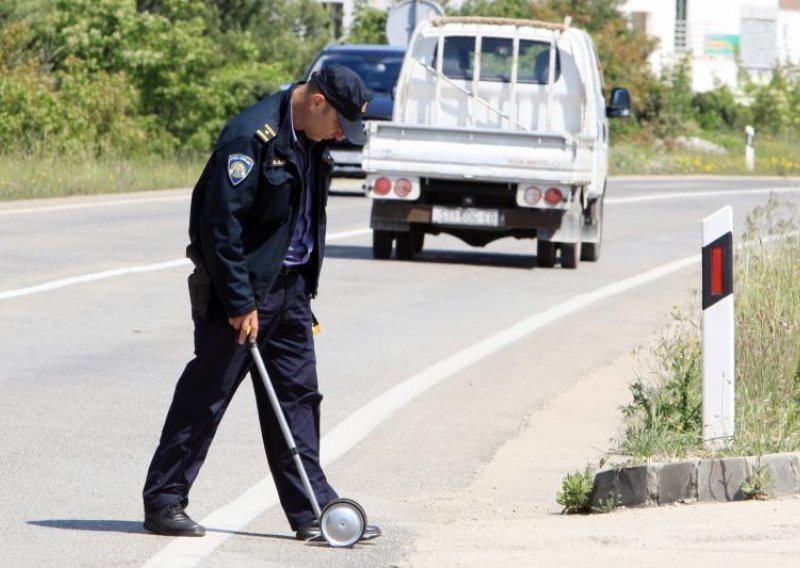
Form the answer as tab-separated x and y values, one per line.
499	130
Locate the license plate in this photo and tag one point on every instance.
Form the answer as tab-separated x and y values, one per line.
466	216
346	156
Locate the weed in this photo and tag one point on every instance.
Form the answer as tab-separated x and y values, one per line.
576	492
757	483
665	416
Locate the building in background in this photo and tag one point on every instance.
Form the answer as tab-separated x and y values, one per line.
720	36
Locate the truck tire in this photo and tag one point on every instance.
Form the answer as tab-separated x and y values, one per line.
591	250
545	254
419	242
406	245
382	244
570	254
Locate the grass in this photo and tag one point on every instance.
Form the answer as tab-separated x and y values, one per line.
25	177
664	422
640	155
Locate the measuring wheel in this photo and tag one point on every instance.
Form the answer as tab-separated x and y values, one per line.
343	523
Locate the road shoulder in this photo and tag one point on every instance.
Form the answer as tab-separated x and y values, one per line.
508	514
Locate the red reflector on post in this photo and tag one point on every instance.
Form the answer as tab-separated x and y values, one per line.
717	271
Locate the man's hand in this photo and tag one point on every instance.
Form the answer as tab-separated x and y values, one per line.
247	325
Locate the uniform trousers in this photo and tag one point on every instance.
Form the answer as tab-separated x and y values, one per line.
208	383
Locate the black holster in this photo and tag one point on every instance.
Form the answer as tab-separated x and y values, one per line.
201	289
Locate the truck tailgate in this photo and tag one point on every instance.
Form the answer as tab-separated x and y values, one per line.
484	154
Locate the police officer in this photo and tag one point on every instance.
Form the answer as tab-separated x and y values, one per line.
257	232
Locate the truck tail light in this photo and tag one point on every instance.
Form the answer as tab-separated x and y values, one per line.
532	195
383	186
402	187
553	196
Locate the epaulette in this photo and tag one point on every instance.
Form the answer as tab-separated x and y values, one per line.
266	132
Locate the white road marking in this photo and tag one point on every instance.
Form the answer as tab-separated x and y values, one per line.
139	201
93	204
63	282
695	194
47	286
224	522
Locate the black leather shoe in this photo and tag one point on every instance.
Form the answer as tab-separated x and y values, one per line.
312	532
172	520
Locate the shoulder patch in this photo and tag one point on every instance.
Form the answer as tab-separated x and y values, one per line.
239	167
266	133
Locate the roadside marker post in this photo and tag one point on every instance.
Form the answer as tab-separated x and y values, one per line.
718	329
749	147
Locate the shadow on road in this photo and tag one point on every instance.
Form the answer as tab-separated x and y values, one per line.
431	256
133	527
100	525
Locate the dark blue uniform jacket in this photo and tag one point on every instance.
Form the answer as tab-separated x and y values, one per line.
243	229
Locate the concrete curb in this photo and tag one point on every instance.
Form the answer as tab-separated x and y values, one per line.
709	480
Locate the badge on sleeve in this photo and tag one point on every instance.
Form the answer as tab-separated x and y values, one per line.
239	167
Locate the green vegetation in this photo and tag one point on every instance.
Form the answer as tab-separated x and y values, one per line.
369	25
109	90
756	485
776	155
94	78
25	177
664	420
576	492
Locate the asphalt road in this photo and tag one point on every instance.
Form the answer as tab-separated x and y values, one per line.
428	368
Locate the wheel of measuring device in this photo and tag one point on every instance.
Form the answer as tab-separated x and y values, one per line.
343	522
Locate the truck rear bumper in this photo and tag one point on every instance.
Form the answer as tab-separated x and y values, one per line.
400	216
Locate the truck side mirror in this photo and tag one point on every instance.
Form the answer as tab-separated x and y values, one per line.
620	103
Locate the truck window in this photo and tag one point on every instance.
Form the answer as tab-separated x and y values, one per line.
459	57
534	62
496	59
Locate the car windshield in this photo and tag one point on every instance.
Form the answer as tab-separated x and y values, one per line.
379	72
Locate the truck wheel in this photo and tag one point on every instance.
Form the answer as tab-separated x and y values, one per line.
406	245
419	242
570	254
545	254
382	244
591	250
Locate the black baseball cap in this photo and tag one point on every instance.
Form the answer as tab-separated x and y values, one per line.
345	91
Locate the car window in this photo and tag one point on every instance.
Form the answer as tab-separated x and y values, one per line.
379	72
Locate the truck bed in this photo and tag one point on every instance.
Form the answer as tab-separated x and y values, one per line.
481	154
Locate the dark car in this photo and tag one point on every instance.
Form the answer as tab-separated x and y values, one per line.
378	66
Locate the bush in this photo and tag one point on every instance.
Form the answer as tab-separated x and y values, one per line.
96	77
717	109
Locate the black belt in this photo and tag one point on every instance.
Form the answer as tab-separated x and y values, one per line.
290	269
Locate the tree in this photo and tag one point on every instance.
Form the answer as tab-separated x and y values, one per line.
623	51
369	25
498	9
